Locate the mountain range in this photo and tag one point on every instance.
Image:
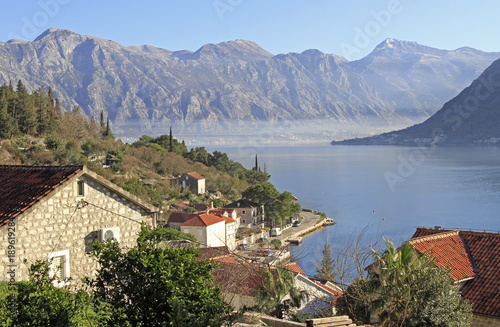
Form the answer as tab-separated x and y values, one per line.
472	117
237	86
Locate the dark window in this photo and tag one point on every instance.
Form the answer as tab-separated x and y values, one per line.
81	191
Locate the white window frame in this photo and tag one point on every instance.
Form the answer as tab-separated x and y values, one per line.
65	267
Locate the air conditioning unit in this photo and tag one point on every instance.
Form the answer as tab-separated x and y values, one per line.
109	233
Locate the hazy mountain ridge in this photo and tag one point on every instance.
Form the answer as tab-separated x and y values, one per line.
472	117
415	78
229	85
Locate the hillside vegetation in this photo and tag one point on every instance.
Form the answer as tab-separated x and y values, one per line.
35	130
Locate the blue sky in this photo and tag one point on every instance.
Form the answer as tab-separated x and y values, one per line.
351	28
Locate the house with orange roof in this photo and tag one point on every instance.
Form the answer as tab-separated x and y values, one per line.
176	219
194	181
226	212
474	261
209	230
55	212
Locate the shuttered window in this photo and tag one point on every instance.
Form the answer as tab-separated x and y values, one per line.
80	188
59	267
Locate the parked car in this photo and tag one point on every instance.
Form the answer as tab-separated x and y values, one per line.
275	231
262	239
243	246
296	223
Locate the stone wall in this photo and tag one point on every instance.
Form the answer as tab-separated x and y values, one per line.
484	321
60	223
275	322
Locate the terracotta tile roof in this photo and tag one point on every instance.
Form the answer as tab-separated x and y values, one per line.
182	205
195	175
218	211
180	217
294	267
241	278
23	186
213	252
202	220
447	250
238	278
335	292
483	291
201	206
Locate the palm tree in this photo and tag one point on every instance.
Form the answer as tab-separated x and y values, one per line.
277	293
392	277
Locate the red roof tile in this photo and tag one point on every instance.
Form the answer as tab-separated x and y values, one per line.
294	267
180	217
195	175
201	206
447	250
23	186
213	252
203	220
335	292
483	291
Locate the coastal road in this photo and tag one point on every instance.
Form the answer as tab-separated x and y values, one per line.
309	219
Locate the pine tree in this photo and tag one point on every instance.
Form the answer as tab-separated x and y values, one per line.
25	111
42	107
326	270
7	124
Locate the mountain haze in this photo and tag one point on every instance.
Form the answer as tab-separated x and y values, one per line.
237	85
472	117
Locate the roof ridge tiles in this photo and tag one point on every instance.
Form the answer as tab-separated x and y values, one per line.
434	236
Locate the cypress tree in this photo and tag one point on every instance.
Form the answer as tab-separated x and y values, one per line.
57	108
102	120
256	163
171	140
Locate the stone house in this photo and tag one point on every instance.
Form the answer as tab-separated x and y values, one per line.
252	215
194	181
209	230
474	260
55	212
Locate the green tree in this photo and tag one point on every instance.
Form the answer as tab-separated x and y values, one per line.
262	193
278	206
7	123
25	111
326	269
152	285
40	303
276	285
404	288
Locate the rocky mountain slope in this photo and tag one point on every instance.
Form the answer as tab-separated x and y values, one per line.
472	117
236	85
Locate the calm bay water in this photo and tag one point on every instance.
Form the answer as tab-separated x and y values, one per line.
390	190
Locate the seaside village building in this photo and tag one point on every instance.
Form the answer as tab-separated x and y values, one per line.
474	260
55	212
251	213
194	181
212	228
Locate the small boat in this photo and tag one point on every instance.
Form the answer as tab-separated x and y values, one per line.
328	222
